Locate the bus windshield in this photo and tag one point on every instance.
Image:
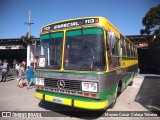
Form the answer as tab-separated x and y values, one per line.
51	48
84	49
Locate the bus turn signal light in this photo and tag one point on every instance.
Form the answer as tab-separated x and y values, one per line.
94	95
86	94
96	20
40	87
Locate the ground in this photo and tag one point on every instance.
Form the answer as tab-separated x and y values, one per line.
143	96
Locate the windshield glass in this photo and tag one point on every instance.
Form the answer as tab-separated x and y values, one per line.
51	49
84	49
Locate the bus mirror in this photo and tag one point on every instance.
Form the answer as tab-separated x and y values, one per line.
111	34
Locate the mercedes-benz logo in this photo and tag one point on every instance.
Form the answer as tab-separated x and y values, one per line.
61	84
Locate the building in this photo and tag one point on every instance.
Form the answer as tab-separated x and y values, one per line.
148	53
16	48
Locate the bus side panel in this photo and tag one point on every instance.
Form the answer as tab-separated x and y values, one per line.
129	66
108	85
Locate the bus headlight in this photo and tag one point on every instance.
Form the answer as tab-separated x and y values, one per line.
86	85
93	86
39	81
89	86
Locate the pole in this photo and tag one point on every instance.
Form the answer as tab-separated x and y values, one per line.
29	26
28	45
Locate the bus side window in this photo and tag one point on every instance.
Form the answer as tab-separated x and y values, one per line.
123	46
114	51
128	49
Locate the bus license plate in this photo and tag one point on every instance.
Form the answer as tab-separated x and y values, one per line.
58	100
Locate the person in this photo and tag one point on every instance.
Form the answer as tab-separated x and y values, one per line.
24	63
89	50
16	68
8	69
14	64
21	75
27	76
4	71
31	71
1	63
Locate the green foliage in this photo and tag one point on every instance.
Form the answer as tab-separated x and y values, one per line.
151	21
26	36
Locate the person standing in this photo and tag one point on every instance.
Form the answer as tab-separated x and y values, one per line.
17	68
31	71
1	63
21	75
24	63
14	64
27	76
4	71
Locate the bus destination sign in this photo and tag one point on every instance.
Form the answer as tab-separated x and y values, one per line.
69	24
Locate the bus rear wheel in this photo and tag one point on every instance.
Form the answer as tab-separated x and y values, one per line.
131	83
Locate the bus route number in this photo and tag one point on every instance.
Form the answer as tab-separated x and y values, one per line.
89	21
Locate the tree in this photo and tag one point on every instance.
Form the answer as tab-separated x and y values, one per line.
151	21
25	38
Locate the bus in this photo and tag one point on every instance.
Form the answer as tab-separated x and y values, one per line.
84	63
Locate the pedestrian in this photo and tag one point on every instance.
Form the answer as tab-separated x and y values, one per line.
24	63
21	75
4	71
31	71
1	63
8	69
27	76
14	64
16	68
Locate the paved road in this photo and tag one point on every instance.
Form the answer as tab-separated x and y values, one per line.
13	98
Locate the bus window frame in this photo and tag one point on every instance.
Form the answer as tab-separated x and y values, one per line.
50	33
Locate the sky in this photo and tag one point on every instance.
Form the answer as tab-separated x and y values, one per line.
126	15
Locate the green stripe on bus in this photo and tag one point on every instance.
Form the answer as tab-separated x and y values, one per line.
85	32
75	73
93	31
73	33
126	58
54	35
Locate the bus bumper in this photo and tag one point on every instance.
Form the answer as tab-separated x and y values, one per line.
74	101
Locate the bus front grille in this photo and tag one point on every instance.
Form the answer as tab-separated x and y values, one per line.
63	84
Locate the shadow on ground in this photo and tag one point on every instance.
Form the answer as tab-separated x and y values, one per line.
56	110
149	94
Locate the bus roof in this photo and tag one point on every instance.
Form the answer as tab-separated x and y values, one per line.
103	21
63	24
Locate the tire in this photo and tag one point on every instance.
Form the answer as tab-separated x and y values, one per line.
131	83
